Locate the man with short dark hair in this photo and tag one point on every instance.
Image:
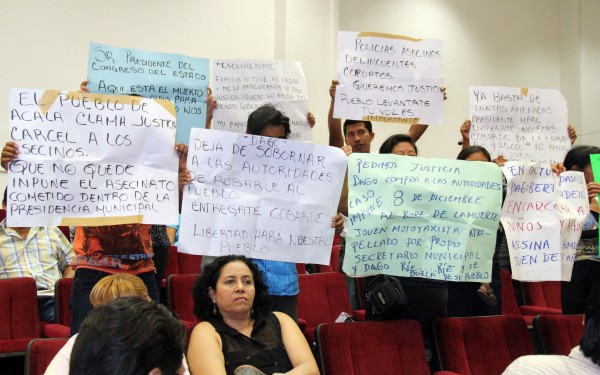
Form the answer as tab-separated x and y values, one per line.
42	253
129	336
583	359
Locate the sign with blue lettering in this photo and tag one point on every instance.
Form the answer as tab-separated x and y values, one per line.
417	217
178	78
543	216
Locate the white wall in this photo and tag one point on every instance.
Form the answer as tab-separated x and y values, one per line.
535	43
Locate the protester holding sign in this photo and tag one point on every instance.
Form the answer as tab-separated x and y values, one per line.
586	269
476	299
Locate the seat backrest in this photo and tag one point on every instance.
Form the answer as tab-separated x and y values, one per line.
18	309
542	294
558	334
509	301
2	214
322	297
179	295
172	262
371	347
334	261
481	345
40	353
189	263
62	299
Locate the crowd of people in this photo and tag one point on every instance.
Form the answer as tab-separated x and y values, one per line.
247	307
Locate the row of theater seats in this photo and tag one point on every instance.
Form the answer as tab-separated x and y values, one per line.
322	298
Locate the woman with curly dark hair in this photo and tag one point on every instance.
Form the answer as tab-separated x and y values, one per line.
238	331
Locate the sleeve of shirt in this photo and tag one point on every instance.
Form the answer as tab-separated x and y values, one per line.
66	254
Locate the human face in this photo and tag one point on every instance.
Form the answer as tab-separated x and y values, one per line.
274	131
477	156
359	138
404	148
234	294
588	174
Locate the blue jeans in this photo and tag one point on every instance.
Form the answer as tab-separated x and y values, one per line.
84	281
46	309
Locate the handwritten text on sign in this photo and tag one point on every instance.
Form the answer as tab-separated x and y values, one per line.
431	218
543	216
520	124
265	198
389	78
241	86
91	156
181	79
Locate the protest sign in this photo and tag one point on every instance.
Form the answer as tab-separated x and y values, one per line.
178	78
543	216
241	86
519	124
261	197
595	161
389	78
417	217
91	159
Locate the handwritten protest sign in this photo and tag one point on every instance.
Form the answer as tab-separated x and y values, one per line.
431	218
179	78
241	86
265	198
389	78
108	158
543	216
520	124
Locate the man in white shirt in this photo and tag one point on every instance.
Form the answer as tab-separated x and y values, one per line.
583	359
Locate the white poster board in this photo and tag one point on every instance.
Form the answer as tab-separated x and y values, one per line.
543	216
261	197
241	86
91	159
389	78
519	124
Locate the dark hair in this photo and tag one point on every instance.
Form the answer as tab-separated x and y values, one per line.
128	336
4	198
265	115
468	151
590	342
368	125
579	156
203	305
388	145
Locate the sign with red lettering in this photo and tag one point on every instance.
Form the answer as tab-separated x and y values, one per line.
543	216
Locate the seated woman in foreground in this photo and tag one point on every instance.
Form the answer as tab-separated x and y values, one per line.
238	330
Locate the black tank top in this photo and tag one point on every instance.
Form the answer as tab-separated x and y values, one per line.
263	350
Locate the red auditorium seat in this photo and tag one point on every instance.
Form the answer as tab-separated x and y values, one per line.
18	314
179	298
172	265
481	345
541	298
372	348
334	261
322	297
40	353
509	301
558	334
62	310
189	263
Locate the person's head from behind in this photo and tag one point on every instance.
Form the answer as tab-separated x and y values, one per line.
267	121
399	144
118	285
590	342
474	153
128	336
578	159
231	286
359	135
